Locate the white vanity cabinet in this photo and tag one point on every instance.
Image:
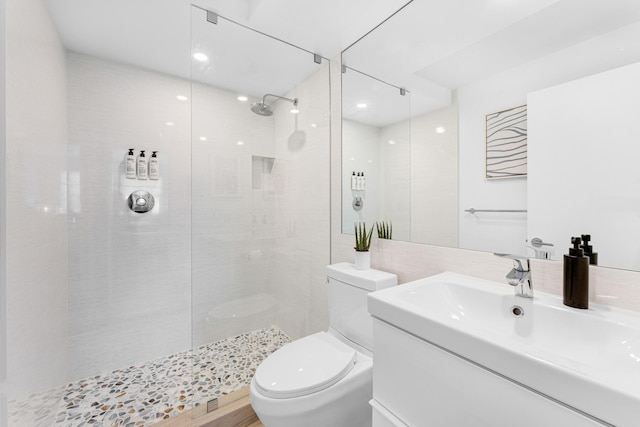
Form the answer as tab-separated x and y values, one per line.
418	384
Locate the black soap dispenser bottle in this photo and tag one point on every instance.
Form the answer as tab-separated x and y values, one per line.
576	277
588	249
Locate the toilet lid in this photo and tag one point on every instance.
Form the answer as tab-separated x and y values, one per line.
305	366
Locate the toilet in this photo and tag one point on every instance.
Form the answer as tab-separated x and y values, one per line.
325	379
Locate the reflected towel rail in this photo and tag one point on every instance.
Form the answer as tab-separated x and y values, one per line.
472	210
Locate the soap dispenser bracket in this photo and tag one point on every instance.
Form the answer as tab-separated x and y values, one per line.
141	201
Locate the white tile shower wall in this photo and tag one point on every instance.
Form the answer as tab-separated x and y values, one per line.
302	212
395	185
129	273
36	216
434	177
411	261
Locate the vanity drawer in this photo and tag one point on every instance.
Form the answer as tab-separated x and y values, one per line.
425	386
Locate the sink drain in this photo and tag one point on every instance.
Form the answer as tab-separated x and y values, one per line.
517	311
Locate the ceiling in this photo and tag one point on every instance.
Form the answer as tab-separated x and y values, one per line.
429	47
155	34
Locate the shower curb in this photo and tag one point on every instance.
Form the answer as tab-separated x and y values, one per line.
234	410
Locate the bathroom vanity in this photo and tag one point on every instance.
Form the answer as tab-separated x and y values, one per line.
462	351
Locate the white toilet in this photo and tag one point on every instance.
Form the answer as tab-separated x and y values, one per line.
325	379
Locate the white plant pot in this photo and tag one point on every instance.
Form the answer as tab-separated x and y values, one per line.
363	260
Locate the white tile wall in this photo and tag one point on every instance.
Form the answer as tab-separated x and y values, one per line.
129	273
36	217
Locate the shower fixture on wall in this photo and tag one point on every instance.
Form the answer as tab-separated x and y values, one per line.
263	109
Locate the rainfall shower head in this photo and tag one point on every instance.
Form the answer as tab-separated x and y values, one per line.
264	109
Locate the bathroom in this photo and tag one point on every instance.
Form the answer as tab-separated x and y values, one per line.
114	289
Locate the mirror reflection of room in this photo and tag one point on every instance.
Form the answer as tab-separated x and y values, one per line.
562	96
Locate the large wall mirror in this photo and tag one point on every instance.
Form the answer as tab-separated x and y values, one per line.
491	123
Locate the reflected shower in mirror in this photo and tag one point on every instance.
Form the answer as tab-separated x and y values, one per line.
376	154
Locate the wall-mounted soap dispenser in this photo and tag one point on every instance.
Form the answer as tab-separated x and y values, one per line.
154	166
130	165
142	166
576	277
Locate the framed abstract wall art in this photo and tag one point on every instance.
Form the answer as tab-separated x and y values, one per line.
506	149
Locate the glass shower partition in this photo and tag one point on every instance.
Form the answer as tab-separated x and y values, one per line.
260	148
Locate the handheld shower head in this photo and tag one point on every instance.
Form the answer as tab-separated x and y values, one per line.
264	109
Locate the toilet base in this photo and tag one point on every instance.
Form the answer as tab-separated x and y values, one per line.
344	404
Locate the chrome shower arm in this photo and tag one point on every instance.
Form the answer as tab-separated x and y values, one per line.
294	101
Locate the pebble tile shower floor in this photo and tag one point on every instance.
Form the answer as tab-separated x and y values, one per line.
142	395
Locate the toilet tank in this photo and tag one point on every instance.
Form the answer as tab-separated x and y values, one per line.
348	289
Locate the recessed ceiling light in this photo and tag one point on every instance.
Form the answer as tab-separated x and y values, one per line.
313	125
170	124
294	111
203	138
440	129
242	98
362	105
182	97
240	142
199	56
392	142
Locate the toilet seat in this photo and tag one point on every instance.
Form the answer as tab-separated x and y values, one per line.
305	366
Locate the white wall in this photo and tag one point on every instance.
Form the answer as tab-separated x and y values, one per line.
129	273
493	232
507	232
36	215
583	174
3	228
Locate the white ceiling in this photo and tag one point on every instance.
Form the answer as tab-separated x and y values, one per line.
430	47
155	34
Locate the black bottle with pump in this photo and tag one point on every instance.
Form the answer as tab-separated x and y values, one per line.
576	277
588	249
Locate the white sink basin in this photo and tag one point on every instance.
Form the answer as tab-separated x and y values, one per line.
586	359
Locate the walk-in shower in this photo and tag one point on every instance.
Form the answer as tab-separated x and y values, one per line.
264	109
137	317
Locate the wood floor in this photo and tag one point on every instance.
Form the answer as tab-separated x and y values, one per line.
234	411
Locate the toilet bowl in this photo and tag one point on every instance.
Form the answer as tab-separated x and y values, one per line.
325	379
329	387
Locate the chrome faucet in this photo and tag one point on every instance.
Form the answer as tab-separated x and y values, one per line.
520	275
